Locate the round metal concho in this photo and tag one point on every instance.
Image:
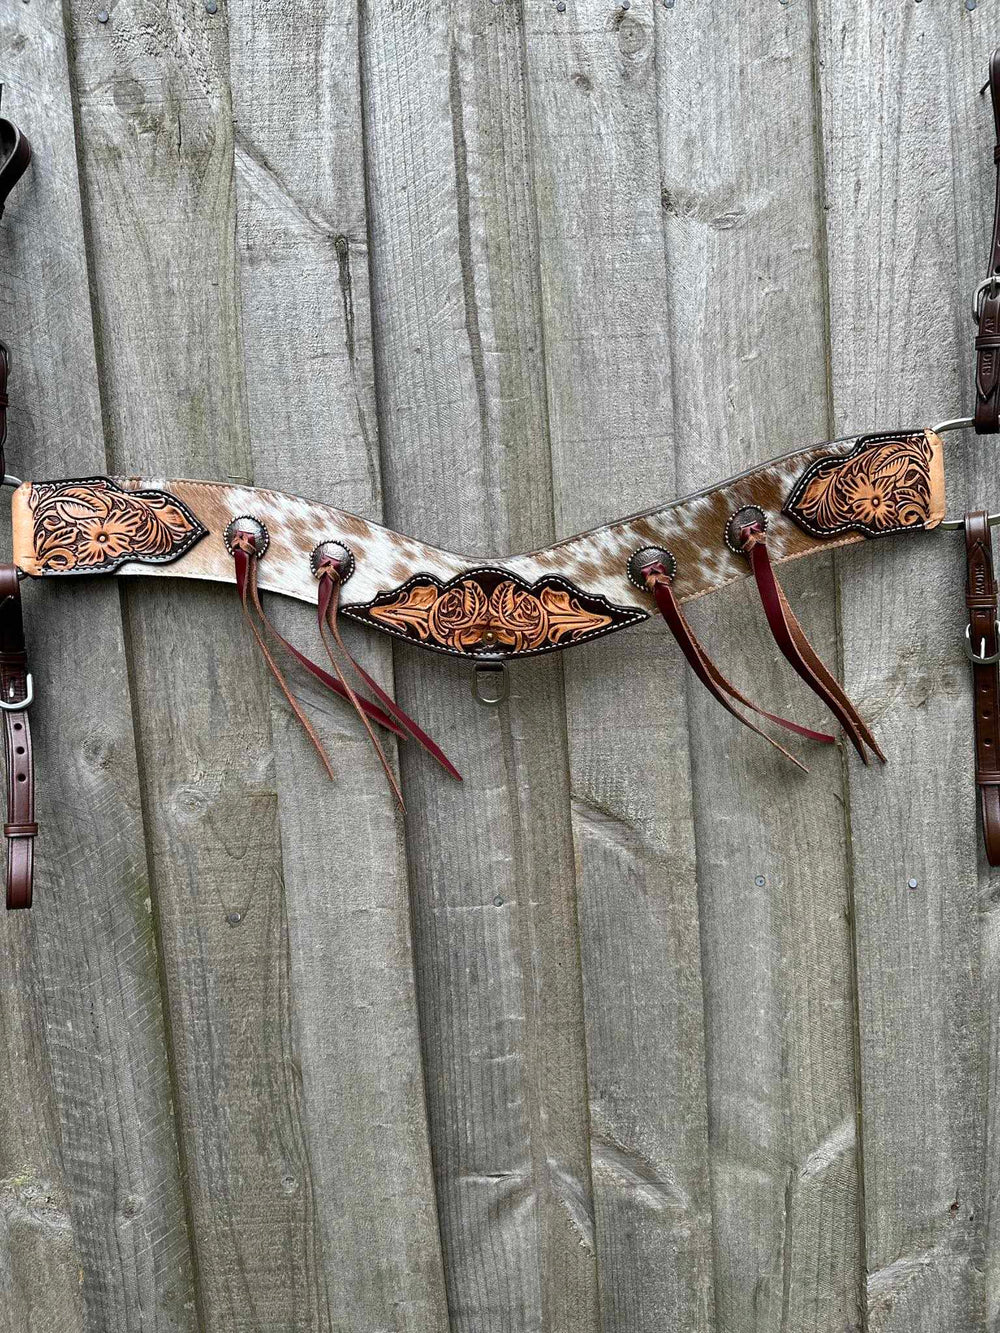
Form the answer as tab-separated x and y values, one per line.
247	523
742	519
641	560
341	555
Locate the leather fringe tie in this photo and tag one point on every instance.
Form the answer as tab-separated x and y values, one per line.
245	557
796	648
659	580
330	580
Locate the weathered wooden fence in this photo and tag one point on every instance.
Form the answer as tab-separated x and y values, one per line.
637	1030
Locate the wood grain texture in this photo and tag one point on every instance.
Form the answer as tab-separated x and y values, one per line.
156	135
464	447
306	325
495	273
745	257
92	1216
596	165
891	93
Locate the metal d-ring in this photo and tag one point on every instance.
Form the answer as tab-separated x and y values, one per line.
10	480
960	423
490	666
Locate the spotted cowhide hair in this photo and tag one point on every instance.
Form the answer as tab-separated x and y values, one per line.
570	592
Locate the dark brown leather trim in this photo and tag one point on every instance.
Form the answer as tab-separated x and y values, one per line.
983	645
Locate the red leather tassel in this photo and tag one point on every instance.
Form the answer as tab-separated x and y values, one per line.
245	559
328	603
791	639
373	711
659	581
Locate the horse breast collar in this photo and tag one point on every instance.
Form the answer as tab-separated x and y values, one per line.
492	612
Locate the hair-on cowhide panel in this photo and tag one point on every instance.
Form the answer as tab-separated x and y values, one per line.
574	590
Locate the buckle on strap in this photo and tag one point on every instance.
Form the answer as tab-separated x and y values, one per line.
981	658
20	705
993	283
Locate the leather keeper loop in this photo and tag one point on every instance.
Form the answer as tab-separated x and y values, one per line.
20	830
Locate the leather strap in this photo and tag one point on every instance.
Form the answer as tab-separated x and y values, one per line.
659	580
796	648
20	828
391	717
15	154
987	419
4	374
983	647
327	605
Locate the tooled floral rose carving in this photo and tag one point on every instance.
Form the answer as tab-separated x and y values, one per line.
458	617
486	610
883	486
86	526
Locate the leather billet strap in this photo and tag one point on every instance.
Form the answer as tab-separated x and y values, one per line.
15	699
4	403
15	154
507	607
987	304
983	648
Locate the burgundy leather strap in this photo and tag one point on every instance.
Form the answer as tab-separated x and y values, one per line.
253	594
246	578
988	297
659	581
796	648
327	606
983	647
392	718
20	828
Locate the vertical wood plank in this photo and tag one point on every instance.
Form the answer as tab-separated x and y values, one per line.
894	93
306	324
596	162
745	257
157	154
465	462
93	1232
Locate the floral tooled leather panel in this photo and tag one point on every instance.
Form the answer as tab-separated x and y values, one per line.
93	525
491	611
886	484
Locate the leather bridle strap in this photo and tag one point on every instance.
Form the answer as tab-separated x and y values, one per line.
982	643
15	698
987	301
15	154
